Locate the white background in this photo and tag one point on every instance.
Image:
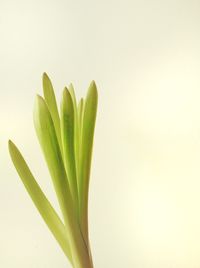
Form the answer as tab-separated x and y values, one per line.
145	183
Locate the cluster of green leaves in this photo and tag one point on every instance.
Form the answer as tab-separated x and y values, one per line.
66	140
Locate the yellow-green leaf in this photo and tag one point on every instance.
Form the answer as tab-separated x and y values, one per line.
44	207
50	99
76	127
80	124
88	125
80	113
67	135
47	137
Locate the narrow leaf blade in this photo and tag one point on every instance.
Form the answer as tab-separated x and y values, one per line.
48	141
80	126
88	126
44	207
47	137
80	113
50	99
67	135
76	126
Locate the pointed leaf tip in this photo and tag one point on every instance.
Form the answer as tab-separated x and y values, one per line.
11	145
66	93
50	99
43	205
44	75
39	103
71	87
93	83
93	89
12	149
38	98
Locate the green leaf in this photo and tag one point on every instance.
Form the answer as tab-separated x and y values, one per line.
80	124
50	99
67	135
89	118
47	137
44	207
80	114
76	127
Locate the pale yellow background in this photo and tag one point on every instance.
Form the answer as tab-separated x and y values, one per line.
145	183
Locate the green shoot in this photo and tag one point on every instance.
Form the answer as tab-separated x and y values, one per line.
66	141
